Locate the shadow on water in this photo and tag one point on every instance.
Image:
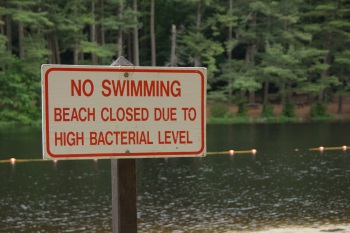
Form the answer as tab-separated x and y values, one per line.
279	186
245	192
68	196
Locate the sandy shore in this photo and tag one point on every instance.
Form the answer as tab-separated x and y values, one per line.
341	228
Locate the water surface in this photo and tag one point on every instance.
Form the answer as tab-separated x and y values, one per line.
284	184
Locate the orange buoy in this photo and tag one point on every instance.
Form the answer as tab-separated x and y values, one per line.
13	161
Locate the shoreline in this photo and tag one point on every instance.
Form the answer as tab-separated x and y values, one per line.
253	116
302	114
223	120
341	228
275	120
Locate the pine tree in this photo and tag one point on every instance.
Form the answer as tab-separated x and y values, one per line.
119	20
329	21
20	79
227	21
199	42
284	50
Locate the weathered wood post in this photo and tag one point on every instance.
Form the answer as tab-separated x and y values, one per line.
124	210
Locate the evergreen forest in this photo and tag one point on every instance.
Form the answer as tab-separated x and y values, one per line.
289	52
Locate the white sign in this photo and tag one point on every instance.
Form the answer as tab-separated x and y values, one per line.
123	112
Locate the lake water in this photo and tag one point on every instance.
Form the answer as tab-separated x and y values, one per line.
284	184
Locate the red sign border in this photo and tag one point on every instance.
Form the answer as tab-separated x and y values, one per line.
131	154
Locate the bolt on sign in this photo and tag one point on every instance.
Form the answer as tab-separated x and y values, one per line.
123	112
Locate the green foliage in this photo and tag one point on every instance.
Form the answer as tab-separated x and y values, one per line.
102	51
216	97
20	100
240	76
288	110
293	46
220	110
267	111
196	43
242	109
318	110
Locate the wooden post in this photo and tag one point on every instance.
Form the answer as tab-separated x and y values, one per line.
124	210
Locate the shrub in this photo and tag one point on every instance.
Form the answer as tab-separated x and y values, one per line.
288	110
267	111
220	110
318	110
242	109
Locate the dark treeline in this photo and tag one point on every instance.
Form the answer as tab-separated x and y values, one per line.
258	51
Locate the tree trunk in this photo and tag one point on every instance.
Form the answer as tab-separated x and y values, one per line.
266	92
76	52
327	58
20	37
120	32
100	33
283	93
247	60
153	36
81	57
251	97
50	47
229	56
340	104
136	39
173	58
289	91
242	93
93	32
197	57
9	33
56	49
250	55
129	47
2	30
324	75
52	44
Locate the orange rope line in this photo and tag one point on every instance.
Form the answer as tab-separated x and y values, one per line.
229	152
